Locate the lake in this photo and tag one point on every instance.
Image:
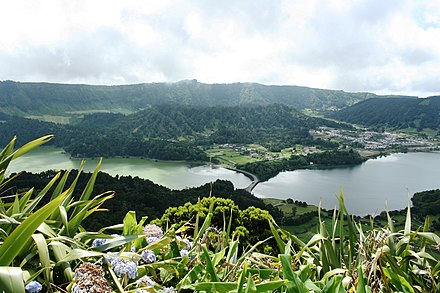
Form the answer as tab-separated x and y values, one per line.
369	188
175	175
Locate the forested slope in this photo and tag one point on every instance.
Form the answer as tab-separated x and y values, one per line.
170	132
394	112
142	196
62	99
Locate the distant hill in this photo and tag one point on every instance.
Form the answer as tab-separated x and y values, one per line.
399	113
170	131
170	121
23	98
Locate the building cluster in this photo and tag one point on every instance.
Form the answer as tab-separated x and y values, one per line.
372	140
251	152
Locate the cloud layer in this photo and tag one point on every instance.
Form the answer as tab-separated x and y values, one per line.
380	46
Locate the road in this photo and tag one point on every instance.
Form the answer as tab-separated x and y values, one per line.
251	176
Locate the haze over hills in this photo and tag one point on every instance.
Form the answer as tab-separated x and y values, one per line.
398	113
25	98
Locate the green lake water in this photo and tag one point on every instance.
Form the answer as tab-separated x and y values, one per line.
175	175
369	188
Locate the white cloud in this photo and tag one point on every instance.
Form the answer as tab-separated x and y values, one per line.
356	45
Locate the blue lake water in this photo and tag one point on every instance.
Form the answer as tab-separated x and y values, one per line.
374	186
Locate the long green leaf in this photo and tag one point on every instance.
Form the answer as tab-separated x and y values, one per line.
209	265
215	286
250	285
242	278
11	280
89	187
362	282
25	198
60	186
286	262
130	224
116	280
117	241
202	230
4	165
232	252
295	284
31	145
32	205
408	220
44	257
71	187
8	149
18	239
280	243
60	250
79	254
270	286
84	212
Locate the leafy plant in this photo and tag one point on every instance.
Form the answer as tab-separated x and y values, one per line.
32	234
47	244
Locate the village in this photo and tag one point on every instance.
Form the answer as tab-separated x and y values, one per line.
373	140
368	142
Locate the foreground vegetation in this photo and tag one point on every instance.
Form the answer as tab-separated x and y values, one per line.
48	249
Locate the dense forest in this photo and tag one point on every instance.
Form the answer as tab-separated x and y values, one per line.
170	132
427	203
63	99
142	196
268	169
397	113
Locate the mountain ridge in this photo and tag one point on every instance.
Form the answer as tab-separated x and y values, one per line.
42	98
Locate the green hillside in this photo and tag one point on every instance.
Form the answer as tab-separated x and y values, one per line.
65	99
171	132
398	113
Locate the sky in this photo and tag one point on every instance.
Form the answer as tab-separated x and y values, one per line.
385	47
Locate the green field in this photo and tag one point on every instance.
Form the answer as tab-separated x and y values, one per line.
286	208
229	157
92	111
304	231
51	118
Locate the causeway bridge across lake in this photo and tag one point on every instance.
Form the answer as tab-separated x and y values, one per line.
251	176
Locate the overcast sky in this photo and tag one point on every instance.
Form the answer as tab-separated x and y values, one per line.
381	46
